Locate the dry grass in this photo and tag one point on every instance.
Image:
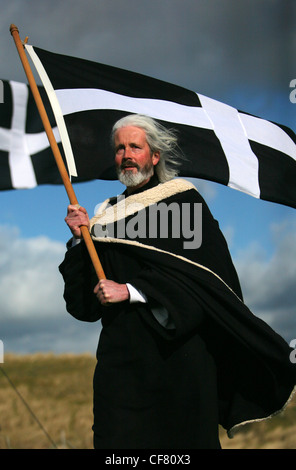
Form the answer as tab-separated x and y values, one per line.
58	390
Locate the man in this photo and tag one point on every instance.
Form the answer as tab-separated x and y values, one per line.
179	352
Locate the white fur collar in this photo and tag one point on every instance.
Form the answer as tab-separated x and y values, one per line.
127	206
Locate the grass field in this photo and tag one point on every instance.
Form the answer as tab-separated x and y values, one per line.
58	391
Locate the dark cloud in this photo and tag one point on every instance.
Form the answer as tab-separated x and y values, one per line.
209	46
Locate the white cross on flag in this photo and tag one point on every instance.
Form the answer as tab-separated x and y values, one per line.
219	142
26	159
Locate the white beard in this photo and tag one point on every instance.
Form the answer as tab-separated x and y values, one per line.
130	179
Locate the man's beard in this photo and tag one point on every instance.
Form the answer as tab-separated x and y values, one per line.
130	179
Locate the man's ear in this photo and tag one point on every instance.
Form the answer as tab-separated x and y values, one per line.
155	157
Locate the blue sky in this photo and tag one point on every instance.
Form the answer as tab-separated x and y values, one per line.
239	53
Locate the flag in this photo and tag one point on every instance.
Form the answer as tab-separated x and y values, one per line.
220	143
26	159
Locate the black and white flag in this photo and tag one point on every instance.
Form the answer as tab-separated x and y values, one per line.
220	143
26	159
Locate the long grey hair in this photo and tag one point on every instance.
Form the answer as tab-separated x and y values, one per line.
159	139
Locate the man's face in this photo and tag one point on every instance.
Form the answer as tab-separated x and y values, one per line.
133	159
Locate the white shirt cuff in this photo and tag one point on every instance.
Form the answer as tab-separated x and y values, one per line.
136	295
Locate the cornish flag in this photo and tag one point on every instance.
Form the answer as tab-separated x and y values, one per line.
220	143
26	159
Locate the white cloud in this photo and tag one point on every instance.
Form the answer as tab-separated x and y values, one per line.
268	282
29	278
32	313
206	188
229	233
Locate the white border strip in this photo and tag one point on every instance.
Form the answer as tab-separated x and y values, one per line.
56	110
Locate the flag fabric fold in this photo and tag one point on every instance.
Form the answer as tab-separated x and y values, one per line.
219	142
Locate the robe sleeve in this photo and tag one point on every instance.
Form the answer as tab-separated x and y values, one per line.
162	289
80	280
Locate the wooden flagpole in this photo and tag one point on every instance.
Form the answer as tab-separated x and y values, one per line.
55	149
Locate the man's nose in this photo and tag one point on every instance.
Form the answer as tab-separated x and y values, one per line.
127	154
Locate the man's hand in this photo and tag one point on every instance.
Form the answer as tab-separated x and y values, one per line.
76	216
110	292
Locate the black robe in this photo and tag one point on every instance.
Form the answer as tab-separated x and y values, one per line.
168	388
